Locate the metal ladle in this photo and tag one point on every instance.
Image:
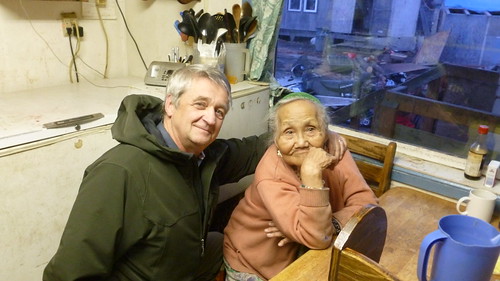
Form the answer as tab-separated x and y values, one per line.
203	26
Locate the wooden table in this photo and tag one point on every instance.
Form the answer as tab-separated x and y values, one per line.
411	215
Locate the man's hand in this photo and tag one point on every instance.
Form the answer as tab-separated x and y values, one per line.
337	146
272	231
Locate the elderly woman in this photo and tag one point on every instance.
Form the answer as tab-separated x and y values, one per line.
297	188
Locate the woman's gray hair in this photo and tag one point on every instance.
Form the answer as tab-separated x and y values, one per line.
272	119
181	80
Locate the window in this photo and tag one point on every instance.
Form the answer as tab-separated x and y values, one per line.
427	81
295	5
310	6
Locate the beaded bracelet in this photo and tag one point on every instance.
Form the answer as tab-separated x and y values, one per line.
308	187
336	225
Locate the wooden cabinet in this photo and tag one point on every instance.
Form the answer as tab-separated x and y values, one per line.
40	178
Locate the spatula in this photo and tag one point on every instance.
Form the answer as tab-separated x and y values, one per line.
230	26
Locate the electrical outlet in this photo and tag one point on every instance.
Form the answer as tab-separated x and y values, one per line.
69	20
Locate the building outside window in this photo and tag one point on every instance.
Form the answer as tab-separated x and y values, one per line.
425	73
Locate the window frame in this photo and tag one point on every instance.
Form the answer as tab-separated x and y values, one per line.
293	9
311	10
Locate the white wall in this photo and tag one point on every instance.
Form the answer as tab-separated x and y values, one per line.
31	60
27	61
342	15
404	11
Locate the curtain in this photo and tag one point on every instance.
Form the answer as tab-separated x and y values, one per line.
263	46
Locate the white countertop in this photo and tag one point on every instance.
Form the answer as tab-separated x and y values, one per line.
24	113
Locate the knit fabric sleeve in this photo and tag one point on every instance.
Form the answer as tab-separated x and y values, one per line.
303	215
348	189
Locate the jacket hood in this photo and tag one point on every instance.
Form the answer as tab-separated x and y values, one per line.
136	125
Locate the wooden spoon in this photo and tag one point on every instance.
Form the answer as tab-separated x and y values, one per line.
237	17
247	9
245	23
250	31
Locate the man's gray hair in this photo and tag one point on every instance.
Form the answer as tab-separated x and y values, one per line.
181	80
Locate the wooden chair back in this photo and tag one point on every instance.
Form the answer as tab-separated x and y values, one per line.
376	161
354	266
364	234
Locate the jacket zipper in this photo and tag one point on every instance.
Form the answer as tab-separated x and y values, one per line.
202	247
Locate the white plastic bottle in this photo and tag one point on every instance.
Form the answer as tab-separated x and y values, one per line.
476	155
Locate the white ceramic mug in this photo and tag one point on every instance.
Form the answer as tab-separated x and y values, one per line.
237	62
480	204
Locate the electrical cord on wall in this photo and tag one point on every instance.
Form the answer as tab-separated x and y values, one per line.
69	31
48	45
63	63
105	38
75	56
137	46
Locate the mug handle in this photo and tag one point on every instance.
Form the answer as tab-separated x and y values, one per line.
425	248
459	203
247	61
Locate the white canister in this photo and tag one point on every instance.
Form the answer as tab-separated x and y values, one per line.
237	62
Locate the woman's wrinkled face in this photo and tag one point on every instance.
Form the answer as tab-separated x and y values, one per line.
298	129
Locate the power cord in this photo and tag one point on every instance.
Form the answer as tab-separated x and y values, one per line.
76	29
69	31
48	45
106	39
130	33
60	60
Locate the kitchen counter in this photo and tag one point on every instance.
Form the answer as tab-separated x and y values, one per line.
25	112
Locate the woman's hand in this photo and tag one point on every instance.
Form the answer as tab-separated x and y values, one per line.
336	145
316	160
272	231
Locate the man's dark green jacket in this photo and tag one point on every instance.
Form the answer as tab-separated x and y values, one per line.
138	215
